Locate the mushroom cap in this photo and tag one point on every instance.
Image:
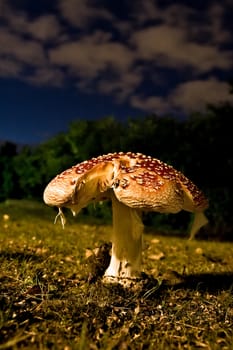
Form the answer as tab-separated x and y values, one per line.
150	184
137	181
80	185
96	174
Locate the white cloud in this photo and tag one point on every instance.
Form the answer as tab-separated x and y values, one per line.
186	97
151	104
194	95
46	76
22	54
9	68
92	54
95	59
26	51
151	41
170	47
202	24
215	26
143	11
122	86
81	12
44	28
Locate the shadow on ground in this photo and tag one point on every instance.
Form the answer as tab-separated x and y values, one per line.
213	282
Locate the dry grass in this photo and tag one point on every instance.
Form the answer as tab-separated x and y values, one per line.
184	300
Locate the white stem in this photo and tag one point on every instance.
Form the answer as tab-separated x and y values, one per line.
126	242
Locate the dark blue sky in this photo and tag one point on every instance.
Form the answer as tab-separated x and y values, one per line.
31	114
86	59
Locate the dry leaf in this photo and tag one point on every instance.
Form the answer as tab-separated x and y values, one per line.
155	241
158	256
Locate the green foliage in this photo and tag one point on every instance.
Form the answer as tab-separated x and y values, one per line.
88	138
200	146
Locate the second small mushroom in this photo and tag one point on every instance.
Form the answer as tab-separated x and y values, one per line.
134	183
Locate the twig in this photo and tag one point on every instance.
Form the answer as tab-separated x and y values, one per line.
12	342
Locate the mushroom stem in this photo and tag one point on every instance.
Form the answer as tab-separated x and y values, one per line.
126	243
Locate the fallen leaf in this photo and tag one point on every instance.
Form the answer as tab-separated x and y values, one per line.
155	241
158	256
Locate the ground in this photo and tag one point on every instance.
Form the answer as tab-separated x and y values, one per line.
52	296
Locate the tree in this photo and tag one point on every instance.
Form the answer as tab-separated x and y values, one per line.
8	187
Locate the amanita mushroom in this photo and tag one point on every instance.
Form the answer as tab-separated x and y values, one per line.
134	183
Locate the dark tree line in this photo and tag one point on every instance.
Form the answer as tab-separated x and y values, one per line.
201	147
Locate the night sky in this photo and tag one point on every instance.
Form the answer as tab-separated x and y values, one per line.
62	60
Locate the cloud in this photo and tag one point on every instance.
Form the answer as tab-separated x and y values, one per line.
194	95
98	62
15	47
26	60
92	54
47	76
45	28
215	26
170	47
173	48
204	25
150	104
186	97
121	86
172	15
9	68
179	37
22	52
80	13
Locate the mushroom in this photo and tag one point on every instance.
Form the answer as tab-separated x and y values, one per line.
134	183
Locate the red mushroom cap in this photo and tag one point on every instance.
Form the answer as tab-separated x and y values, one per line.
137	180
151	184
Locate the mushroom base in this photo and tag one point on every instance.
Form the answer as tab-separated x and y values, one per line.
125	282
123	268
126	256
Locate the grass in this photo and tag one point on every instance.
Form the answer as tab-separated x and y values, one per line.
51	296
